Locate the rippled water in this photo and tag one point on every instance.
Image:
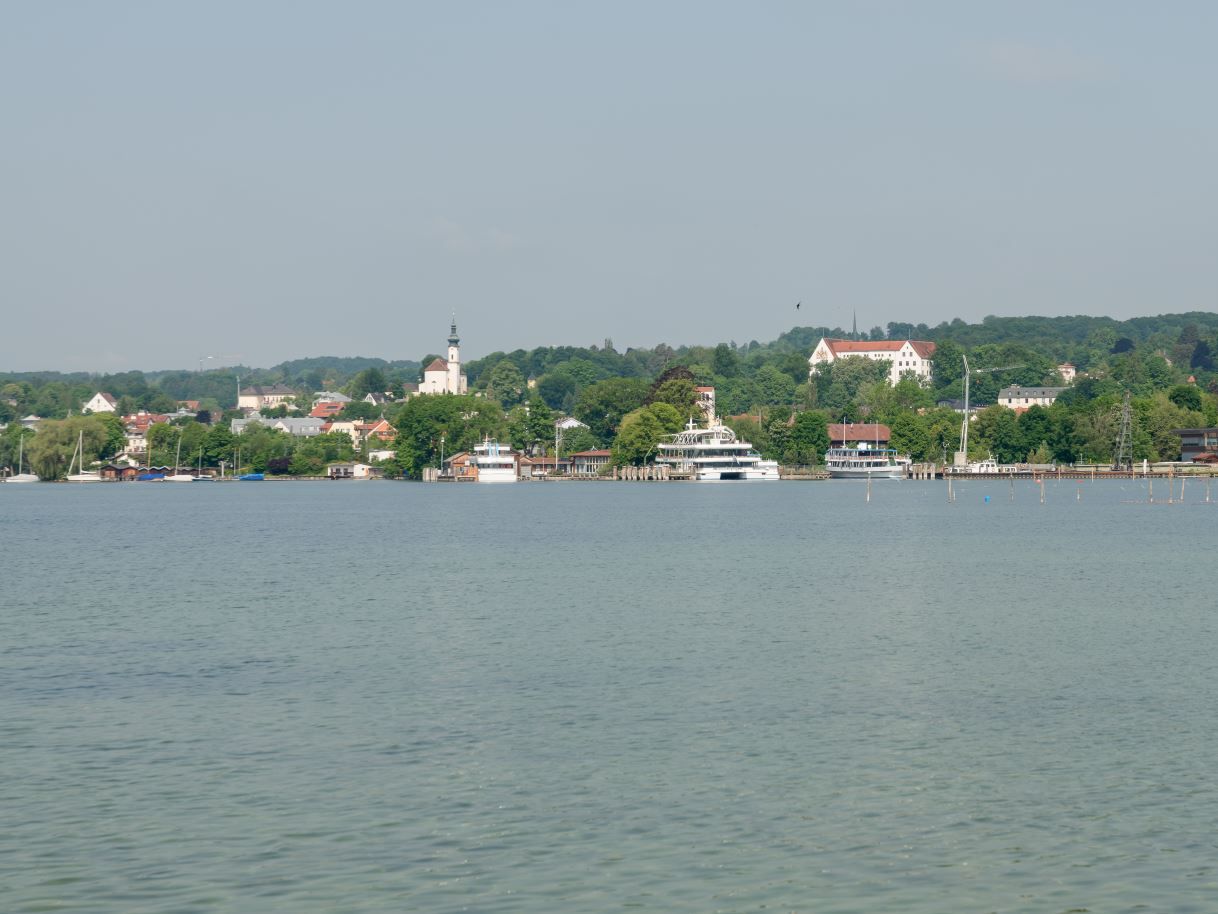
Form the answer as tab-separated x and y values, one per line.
393	697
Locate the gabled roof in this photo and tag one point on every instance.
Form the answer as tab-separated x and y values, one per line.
326	410
859	431
924	348
437	364
105	396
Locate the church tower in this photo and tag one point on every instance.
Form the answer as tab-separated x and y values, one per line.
455	380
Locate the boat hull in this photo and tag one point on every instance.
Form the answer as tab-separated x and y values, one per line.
894	472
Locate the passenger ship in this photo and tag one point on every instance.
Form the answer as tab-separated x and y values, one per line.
865	463
714	454
495	462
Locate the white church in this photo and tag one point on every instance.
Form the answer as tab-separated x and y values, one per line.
445	377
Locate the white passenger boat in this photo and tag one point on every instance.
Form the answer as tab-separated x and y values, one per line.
865	462
714	454
495	462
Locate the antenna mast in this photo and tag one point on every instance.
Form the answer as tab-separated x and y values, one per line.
1123	459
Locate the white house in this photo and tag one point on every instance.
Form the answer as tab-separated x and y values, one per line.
445	376
259	397
100	403
568	422
706	403
1020	398
1067	371
903	355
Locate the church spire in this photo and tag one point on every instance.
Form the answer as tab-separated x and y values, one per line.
453	339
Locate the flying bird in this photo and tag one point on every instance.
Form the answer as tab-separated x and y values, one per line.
797	304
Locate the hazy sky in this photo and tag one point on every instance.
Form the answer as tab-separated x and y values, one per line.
261	181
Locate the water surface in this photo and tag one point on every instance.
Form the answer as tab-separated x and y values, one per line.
384	697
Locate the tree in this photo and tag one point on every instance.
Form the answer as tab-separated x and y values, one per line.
506	384
601	406
456	423
638	436
370	380
51	450
724	361
1186	396
1202	358
558	390
911	436
997	428
809	436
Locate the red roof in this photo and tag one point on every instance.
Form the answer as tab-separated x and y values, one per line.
437	364
599	453
862	431
326	410
849	347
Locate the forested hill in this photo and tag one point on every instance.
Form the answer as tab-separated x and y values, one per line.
1055	336
1145	353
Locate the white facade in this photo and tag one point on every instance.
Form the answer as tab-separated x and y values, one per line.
1020	398
258	397
445	376
1068	372
100	403
905	356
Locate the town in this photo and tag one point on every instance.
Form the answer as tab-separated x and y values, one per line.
1015	396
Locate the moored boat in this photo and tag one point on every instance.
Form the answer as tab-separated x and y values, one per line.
714	454
865	463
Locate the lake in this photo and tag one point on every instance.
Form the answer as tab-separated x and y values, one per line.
385	697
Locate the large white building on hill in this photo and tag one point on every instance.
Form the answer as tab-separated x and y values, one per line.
445	376
904	355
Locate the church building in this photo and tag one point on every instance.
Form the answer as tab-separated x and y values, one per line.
445	377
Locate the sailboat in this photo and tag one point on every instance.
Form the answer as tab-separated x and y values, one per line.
200	477
177	475
79	454
21	476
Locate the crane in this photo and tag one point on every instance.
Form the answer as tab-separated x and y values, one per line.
961	456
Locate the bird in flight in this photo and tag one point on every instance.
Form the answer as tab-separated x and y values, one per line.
797	304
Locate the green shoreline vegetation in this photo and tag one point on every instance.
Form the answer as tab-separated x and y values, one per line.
629	400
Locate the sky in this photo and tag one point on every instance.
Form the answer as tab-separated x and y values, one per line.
257	182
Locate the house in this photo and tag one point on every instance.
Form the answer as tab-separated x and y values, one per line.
1020	398
460	467
135	427
30	421
353	471
409	389
568	422
100	402
853	434
376	398
380	455
379	430
1198	444
306	427
259	397
444	376
191	406
589	463
330	396
327	409
540	467
1067	371
706	403
904	356
118	471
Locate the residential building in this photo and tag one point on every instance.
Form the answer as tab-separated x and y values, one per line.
353	471
100	402
706	403
1198	444
1020	398
376	398
259	397
914	356
568	422
330	396
444	376
327	409
304	427
589	463
851	434
539	467
1067	371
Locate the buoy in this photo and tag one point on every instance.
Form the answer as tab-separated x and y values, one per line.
987	499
